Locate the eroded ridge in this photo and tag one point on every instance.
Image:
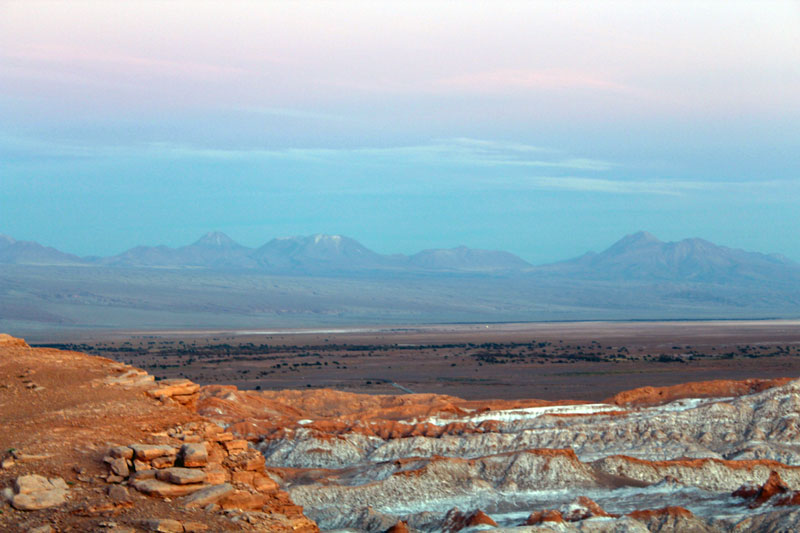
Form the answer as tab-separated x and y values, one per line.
652	459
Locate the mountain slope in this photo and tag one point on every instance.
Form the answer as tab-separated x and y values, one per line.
643	257
214	250
315	253
32	253
463	258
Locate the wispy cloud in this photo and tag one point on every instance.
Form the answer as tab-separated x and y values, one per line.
512	79
458	163
456	151
660	187
601	185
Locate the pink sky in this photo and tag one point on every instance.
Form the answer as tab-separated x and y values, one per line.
715	57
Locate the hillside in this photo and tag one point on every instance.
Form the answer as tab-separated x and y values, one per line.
33	253
90	444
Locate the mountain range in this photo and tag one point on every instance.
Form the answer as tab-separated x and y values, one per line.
314	254
636	257
325	280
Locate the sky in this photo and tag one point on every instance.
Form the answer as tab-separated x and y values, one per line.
543	128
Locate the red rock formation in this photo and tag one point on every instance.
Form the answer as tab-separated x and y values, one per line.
584	508
456	520
7	341
673	511
550	515
747	464
270	413
792	498
772	487
646	396
399	527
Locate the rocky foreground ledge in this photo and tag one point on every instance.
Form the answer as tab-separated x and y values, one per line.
89	444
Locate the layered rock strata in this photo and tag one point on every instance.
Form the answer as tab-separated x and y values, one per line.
370	462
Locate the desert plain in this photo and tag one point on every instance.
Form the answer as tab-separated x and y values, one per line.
587	361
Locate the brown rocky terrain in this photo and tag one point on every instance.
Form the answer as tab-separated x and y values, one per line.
90	444
552	361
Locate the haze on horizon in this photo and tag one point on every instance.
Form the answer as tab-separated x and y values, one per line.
541	128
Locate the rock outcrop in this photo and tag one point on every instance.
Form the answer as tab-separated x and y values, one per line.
34	492
97	445
7	341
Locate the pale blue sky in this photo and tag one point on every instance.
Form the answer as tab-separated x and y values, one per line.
542	128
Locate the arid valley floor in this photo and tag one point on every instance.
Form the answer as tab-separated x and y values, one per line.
595	427
552	361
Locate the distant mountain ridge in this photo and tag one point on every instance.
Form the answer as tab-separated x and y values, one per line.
462	257
643	257
312	254
322	280
33	253
214	250
636	257
319	252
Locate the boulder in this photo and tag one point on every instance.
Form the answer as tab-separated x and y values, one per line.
165	461
181	476
162	525
167	388
154	487
150	473
208	495
244	500
118	494
31	483
118	466
121	451
235	446
147	452
264	483
38	500
224	436
34	492
194	454
215	474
